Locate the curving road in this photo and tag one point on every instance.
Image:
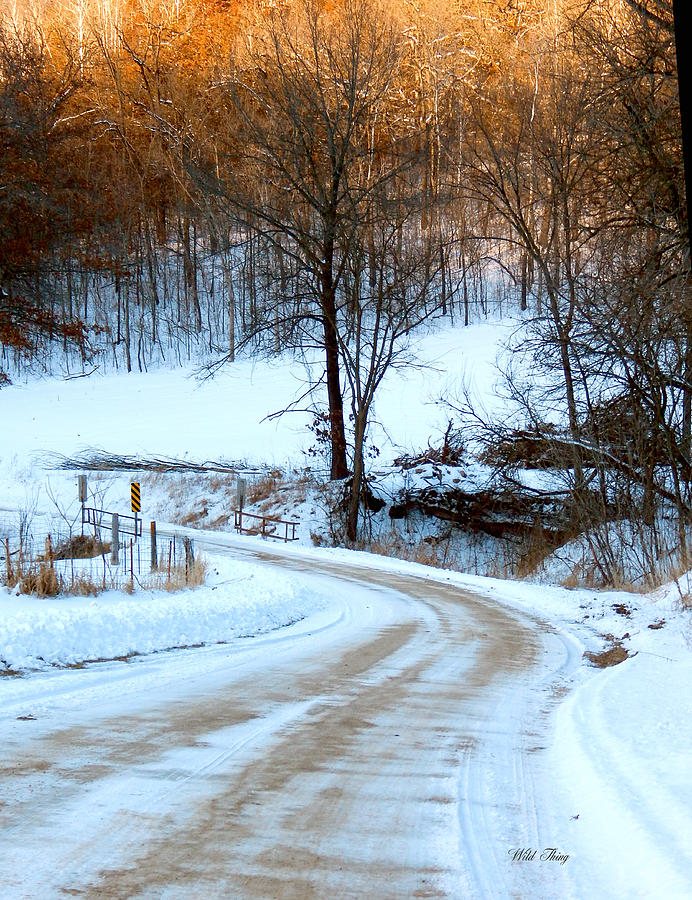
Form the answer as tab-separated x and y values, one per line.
391	747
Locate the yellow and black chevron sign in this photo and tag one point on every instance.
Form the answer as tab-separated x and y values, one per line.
135	499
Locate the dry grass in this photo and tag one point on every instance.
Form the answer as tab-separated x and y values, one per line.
426	555
536	549
678	575
179	577
381	546
573	580
424	552
588	576
265	487
210	499
685	600
195	517
83	586
41	582
220	522
620	583
501	568
40	579
583	576
217	483
300	485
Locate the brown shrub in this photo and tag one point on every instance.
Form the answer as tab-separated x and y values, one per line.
426	555
84	587
42	582
537	547
81	546
179	576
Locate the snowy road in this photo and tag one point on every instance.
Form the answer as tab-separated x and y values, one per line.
391	746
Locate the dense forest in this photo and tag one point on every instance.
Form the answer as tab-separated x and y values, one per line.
192	179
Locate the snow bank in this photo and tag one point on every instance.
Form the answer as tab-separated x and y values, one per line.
623	756
239	599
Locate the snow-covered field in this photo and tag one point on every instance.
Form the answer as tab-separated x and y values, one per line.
622	740
180	414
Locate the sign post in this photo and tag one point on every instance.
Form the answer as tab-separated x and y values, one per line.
241	491
135	502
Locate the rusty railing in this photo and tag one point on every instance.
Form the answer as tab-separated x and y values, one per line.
266	526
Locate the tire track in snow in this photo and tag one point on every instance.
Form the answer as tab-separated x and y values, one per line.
625	822
361	793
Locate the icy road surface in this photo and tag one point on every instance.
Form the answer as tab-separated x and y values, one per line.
391	746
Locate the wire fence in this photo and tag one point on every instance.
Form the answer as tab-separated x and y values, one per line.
84	558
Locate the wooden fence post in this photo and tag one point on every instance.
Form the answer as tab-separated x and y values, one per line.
82	489
154	555
189	558
8	562
115	540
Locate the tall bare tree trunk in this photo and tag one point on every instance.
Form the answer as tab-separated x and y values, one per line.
339	466
358	474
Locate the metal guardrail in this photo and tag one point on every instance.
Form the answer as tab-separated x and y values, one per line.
267	526
100	518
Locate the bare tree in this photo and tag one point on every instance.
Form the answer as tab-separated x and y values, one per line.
394	286
41	213
529	163
300	111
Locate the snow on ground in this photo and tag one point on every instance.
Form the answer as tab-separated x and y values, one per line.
238	599
175	414
620	758
621	752
623	755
